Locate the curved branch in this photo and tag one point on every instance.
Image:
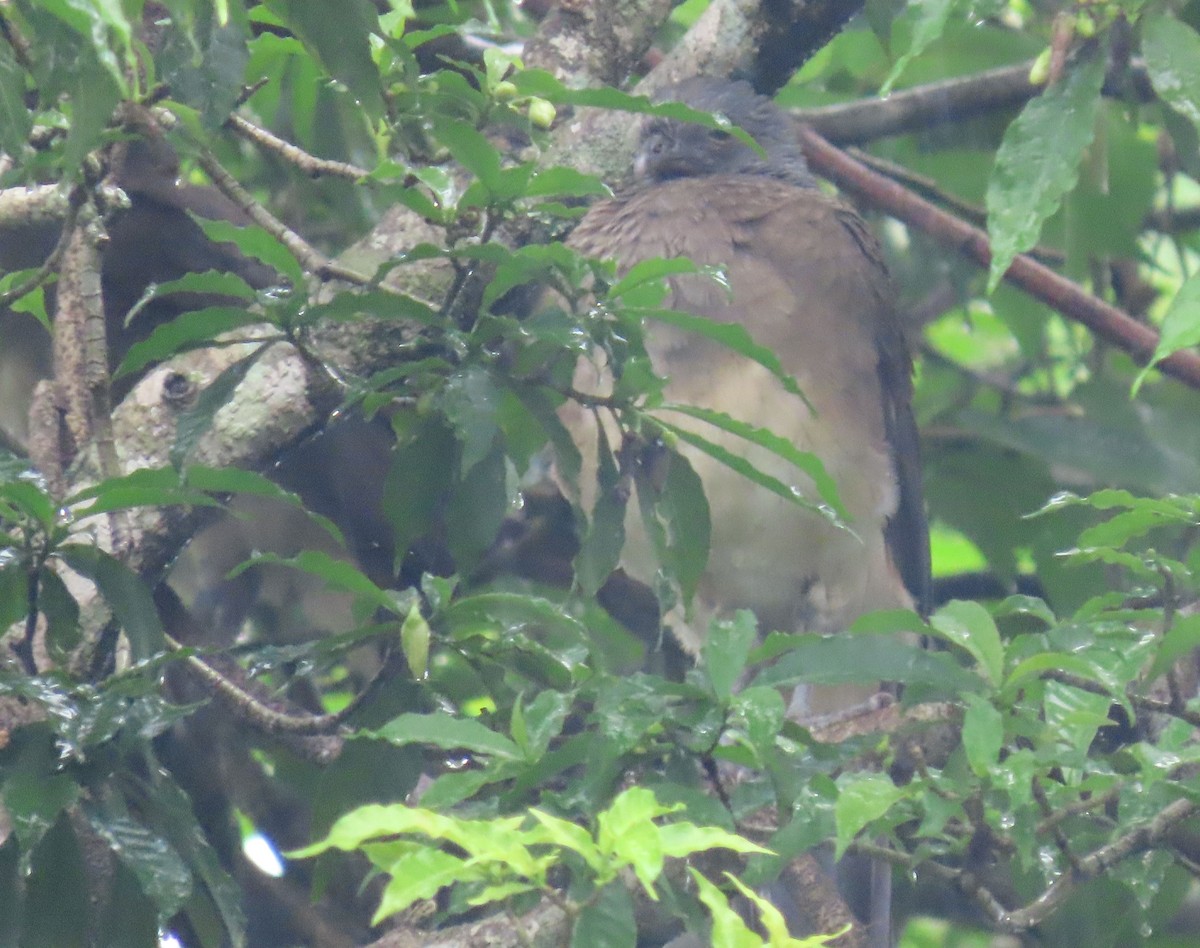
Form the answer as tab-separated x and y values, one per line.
923	107
795	30
1102	860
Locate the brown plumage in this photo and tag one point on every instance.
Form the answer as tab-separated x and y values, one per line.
808	281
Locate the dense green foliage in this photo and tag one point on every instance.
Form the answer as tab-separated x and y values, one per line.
1045	778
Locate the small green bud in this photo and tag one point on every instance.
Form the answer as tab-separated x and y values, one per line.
541	113
1039	72
505	90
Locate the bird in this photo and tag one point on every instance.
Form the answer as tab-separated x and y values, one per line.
807	279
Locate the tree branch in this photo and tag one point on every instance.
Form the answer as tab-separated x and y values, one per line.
1040	282
950	101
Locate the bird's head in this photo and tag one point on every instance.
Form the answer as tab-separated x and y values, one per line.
669	148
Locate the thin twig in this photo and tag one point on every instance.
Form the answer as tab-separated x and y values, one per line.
293	154
1139	839
39	276
268	719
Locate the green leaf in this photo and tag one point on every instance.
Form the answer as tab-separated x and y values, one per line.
147	487
544	718
255	242
418	875
232	480
726	648
682	839
61	612
855	659
341	43
25	498
476	509
805	461
678	520
601	545
626	831
158	868
205	283
606	920
446	732
417	481
560	181
35	797
195	421
861	800
1073	715
15	120
1180	639
353	829
126	594
982	734
471	149
377	304
56	909
172	814
1038	162
651	273
762	712
14	592
452	788
1172	51
931	17
729	930
748	470
127	917
1118	530
96	90
337	574
1180	326
732	336
569	836
543	84
470	401
205	69
414	641
189	331
969	625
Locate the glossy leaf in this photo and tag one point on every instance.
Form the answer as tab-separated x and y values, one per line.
967	624
126	594
726	649
189	331
930	18
15	120
196	420
804	461
476	508
1038	162
158	868
1181	325
861	800
446	732
341	43
601	544
1172	50
255	242
606	921
982	735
